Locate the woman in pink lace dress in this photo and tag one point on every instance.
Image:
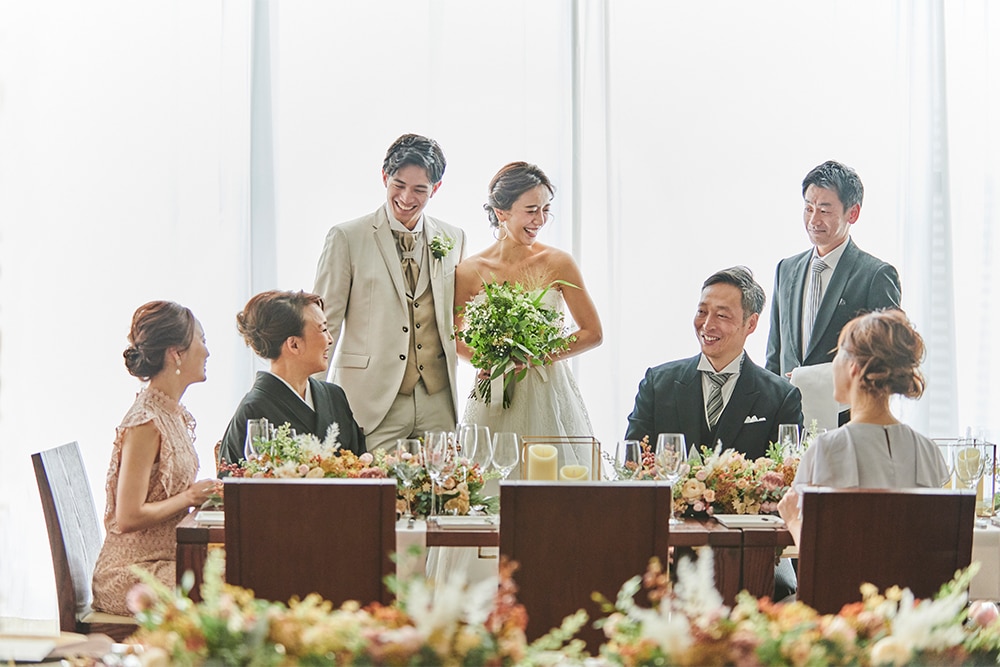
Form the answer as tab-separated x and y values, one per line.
151	481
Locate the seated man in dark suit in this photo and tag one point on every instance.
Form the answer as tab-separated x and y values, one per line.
719	394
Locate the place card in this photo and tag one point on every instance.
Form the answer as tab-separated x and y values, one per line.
465	522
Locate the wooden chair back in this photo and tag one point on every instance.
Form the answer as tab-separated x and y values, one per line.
334	537
913	538
575	538
74	539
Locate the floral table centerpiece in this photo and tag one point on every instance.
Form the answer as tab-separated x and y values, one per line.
304	456
688	625
510	329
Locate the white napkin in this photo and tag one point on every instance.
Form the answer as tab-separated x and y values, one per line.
816	385
407	564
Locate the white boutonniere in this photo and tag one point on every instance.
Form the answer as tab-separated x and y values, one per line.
441	245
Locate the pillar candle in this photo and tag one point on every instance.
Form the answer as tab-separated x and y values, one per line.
542	462
574	473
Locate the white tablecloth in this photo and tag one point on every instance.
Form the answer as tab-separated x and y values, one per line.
986	550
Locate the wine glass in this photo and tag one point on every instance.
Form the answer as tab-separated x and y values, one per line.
970	463
406	467
671	463
437	446
256	435
505	453
467	443
788	439
484	448
628	459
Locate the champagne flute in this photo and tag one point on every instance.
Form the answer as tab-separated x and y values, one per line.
671	463
467	444
406	467
505	453
628	459
436	448
484	449
788	439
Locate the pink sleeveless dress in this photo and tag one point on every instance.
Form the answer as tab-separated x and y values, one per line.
153	548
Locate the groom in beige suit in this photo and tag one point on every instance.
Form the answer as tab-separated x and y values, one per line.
388	282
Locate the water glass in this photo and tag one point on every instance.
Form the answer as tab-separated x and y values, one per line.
970	463
628	459
437	448
671	463
505	453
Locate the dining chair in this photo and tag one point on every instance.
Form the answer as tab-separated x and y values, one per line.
572	539
289	538
913	538
75	541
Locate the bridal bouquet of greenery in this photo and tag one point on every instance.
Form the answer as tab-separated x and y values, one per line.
510	329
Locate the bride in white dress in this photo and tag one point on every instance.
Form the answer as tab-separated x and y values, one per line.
543	403
546	401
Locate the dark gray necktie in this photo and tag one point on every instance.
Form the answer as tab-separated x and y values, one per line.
715	397
812	303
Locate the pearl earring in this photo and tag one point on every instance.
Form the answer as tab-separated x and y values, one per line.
178	371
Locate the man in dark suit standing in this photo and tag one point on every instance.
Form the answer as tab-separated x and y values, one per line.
817	292
719	394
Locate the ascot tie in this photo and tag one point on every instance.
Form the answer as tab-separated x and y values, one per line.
715	397
812	303
407	242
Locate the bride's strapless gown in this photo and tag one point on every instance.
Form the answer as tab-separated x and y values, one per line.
546	402
548	406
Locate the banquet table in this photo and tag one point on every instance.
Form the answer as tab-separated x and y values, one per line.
744	557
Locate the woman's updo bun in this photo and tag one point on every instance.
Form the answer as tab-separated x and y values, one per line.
156	326
888	351
270	318
512	181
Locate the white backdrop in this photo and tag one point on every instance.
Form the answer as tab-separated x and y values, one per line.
131	152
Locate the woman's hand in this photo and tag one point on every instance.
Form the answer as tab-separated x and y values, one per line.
201	491
788	508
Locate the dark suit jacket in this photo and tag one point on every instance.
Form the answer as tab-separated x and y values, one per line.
272	399
670	400
861	283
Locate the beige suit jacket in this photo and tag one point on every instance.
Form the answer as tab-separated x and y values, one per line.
361	281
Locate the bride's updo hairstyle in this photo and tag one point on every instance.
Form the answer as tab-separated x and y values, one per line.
156	326
512	181
270	318
888	350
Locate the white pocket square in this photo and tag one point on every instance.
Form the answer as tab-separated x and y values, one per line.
753	419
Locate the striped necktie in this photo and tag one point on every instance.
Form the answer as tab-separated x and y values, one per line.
812	303
715	397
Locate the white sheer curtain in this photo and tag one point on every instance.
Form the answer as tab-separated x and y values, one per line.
200	151
123	178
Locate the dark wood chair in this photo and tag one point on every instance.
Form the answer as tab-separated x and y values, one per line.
75	540
573	539
334	537
914	538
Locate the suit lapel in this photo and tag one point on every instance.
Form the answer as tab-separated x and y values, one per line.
690	400
387	248
834	292
797	278
436	269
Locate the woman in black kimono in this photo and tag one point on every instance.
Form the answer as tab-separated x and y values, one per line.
289	328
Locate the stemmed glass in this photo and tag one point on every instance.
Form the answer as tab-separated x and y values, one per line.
505	453
628	459
671	463
484	449
788	439
970	463
437	447
467	444
257	433
406	467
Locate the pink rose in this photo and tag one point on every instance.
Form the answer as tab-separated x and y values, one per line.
699	506
701	475
303	469
983	613
366	458
772	480
709	495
